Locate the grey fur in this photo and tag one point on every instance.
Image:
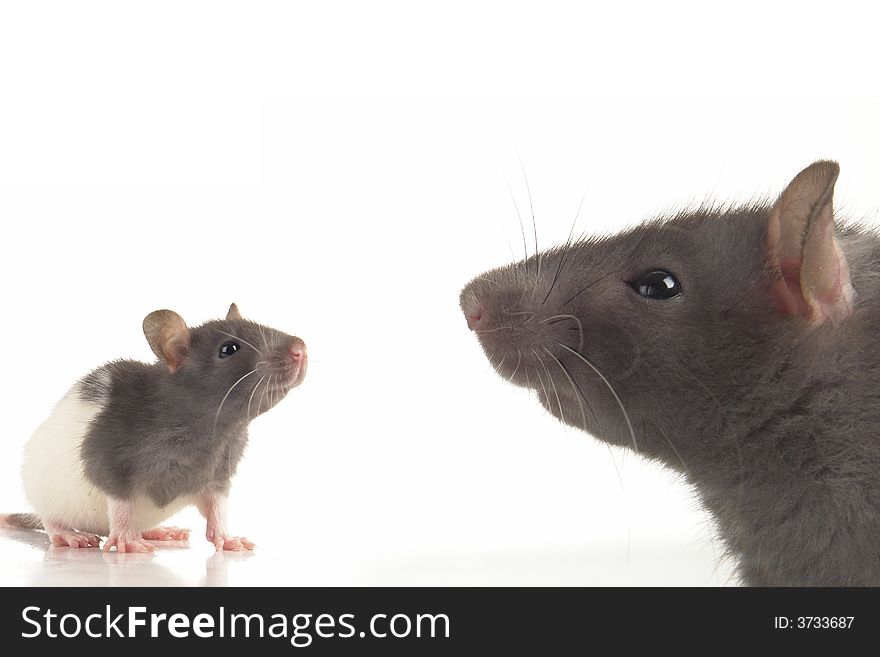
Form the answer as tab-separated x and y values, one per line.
157	435
776	424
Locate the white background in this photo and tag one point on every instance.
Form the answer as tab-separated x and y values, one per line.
341	170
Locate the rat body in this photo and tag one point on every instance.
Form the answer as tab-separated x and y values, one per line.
132	443
738	346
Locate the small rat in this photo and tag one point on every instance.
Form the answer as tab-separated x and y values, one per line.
737	345
133	443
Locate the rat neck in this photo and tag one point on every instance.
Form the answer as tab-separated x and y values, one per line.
786	478
211	421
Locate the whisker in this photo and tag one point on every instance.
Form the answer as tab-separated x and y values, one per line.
487	279
522	230
565	249
262	394
684	465
625	500
516	369
552	384
522	312
519	216
559	318
580	397
251	398
242	340
541	381
494	330
263	335
226	396
534	225
571	381
632	433
584	289
512	255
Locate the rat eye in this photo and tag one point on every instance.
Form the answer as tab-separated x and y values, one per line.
228	348
657	285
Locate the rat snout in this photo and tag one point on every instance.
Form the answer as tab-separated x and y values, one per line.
488	307
297	362
297	352
473	310
493	314
485	307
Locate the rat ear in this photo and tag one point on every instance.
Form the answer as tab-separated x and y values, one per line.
168	336
233	313
802	247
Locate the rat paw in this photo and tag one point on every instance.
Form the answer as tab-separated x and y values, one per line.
75	539
128	544
235	544
231	543
166	534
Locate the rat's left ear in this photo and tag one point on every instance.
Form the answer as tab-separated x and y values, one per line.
233	313
802	247
168	336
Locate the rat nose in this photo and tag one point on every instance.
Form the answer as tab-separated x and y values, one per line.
297	351
473	311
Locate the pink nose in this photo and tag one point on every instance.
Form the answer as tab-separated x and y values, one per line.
297	354
473	312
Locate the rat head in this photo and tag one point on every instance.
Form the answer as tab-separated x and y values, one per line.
235	367
642	333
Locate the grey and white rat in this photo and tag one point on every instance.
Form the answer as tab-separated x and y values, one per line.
132	443
737	345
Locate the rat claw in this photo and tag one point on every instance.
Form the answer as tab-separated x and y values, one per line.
238	544
166	534
231	543
75	539
132	544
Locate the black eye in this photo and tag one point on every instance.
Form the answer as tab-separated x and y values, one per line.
657	285
228	348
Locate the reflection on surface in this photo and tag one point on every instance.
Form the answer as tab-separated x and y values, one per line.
217	566
28	559
174	564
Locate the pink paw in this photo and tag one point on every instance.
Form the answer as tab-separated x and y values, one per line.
232	543
236	544
75	540
128	544
166	534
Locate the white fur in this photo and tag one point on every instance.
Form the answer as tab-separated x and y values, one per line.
54	481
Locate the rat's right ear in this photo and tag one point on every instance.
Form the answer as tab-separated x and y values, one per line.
814	281
168	336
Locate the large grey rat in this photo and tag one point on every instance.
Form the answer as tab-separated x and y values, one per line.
132	443
739	346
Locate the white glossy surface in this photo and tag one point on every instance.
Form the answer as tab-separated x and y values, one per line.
27	559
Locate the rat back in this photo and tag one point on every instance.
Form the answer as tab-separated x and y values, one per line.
54	470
